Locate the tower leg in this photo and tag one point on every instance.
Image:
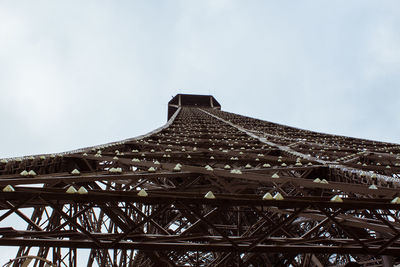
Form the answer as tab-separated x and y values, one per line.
387	261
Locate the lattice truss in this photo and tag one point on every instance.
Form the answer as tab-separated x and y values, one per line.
210	188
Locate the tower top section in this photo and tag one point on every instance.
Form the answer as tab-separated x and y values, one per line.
191	100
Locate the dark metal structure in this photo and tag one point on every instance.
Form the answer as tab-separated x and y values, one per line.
209	188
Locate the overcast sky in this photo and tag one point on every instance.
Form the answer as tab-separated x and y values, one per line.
81	73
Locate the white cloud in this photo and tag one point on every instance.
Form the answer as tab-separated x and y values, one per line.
384	50
72	77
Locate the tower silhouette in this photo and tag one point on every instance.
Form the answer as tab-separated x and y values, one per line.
209	188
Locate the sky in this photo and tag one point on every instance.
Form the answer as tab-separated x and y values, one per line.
80	73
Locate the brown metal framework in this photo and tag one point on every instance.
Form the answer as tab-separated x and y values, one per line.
149	201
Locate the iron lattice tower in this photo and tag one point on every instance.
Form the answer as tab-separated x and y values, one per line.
209	188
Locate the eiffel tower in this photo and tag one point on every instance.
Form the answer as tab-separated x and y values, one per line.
209	188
